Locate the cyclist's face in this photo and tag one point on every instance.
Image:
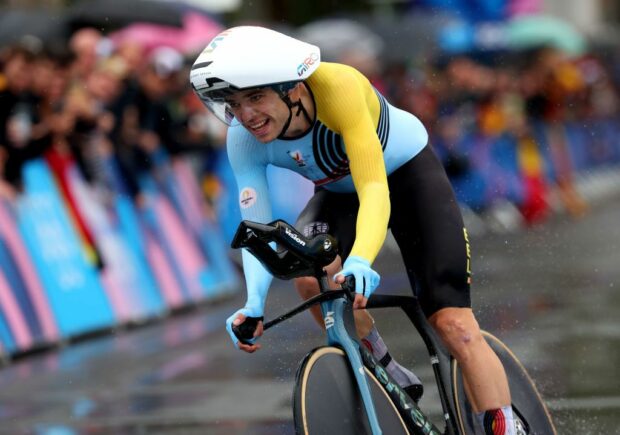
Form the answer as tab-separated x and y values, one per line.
261	111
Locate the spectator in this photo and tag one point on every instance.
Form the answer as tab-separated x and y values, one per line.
85	45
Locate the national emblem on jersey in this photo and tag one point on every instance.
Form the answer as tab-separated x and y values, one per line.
247	197
298	157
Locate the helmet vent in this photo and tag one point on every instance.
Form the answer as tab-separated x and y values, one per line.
201	65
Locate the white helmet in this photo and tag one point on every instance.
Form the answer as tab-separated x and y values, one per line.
250	57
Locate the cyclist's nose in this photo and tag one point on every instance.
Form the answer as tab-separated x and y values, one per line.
245	113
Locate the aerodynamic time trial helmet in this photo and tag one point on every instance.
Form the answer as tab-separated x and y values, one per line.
248	57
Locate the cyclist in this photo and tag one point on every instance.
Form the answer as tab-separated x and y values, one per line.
372	170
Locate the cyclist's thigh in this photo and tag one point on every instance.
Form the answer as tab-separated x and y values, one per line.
428	227
332	213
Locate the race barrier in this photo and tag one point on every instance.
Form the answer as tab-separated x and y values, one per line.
151	259
524	170
76	258
72	285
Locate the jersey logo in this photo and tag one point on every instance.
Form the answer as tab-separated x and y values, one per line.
315	228
298	157
247	197
329	319
213	45
307	63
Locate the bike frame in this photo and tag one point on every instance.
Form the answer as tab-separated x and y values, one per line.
337	313
308	257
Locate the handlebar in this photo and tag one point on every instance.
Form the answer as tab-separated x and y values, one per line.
297	255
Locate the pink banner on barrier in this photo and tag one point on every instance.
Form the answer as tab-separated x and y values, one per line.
189	258
189	192
524	7
123	308
14	316
170	289
10	233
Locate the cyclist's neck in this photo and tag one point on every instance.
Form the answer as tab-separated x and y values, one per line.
301	122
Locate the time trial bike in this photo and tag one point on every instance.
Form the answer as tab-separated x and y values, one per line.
341	388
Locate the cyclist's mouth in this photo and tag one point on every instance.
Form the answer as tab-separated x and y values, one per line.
259	128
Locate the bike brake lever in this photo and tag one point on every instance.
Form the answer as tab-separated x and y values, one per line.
349	287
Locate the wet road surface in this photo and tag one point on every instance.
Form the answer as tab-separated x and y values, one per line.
552	294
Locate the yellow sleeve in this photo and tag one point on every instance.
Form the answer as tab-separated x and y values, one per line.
346	109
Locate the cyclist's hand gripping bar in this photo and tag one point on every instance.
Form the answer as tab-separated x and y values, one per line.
296	255
245	331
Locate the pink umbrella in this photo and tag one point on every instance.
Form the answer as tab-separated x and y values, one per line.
196	32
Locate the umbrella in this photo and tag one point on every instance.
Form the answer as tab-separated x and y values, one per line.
416	35
336	36
196	32
539	30
210	6
108	15
44	25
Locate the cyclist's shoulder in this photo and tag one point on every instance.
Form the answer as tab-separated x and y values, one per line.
335	77
341	93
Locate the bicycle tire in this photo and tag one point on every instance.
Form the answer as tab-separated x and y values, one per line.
527	403
326	399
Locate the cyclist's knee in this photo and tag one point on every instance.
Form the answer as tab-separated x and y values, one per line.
307	287
459	330
333	268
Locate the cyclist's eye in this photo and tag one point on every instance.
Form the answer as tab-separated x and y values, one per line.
233	105
256	97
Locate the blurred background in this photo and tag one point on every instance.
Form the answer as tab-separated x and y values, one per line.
117	203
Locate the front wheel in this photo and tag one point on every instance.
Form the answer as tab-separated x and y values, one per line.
527	404
326	399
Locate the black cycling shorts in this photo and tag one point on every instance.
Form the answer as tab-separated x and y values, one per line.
425	221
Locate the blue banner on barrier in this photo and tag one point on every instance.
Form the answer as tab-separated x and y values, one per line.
20	293
8	343
75	293
131	232
128	284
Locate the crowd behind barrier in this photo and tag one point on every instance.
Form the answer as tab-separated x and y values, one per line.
117	203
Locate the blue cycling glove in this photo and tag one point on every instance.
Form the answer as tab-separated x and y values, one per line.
366	279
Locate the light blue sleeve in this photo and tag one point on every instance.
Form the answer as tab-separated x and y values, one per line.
248	159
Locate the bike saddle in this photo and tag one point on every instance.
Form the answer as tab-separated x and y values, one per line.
295	255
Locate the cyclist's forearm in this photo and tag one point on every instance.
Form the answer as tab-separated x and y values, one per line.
372	220
258	280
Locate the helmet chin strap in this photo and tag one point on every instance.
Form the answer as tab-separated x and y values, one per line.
300	109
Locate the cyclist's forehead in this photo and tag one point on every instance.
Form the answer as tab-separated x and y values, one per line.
244	94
